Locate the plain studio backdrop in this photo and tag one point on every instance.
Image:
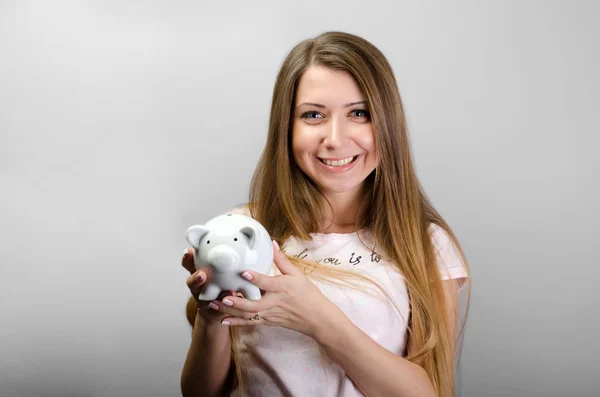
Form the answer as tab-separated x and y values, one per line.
123	123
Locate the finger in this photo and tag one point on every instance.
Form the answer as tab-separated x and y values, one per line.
187	261
249	306
264	282
196	281
282	262
221	307
232	321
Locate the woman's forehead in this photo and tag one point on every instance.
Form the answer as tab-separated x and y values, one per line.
321	85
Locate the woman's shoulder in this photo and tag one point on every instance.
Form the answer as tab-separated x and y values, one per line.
439	236
242	209
448	254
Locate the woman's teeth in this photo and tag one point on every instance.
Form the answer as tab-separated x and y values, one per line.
339	163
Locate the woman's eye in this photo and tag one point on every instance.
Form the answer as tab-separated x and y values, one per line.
360	113
311	115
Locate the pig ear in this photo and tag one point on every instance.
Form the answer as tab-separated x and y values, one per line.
250	232
195	233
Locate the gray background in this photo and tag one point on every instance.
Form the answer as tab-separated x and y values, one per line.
123	123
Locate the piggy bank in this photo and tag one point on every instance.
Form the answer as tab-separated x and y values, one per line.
231	244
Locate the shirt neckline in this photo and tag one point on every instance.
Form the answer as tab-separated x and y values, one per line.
360	234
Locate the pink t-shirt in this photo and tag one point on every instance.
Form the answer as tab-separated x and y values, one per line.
280	362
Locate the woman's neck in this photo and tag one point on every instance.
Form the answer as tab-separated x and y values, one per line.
341	216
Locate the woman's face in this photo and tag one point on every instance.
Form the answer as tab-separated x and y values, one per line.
332	134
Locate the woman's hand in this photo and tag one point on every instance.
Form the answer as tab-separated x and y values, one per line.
196	283
290	300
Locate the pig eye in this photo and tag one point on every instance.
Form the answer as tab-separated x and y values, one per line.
208	242
235	239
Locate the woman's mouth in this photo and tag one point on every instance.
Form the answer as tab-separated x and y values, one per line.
340	162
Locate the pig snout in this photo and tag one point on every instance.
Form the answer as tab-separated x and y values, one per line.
223	258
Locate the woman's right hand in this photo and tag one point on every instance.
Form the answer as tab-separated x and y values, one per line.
196	283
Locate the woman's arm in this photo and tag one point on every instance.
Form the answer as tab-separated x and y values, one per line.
208	369
374	369
208	362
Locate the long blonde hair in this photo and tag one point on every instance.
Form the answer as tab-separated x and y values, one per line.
395	208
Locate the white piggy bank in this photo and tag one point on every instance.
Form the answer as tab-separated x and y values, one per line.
231	244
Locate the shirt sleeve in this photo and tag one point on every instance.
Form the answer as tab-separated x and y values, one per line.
448	256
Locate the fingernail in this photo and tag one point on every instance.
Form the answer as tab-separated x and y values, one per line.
200	276
213	306
247	276
276	245
225	322
227	302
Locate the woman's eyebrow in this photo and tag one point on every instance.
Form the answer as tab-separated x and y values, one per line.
318	105
355	103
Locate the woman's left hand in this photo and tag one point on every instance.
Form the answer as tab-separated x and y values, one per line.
291	300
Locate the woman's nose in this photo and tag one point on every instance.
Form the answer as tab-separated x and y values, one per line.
332	133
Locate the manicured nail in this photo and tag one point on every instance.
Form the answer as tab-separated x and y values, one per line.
225	322
276	245
247	276
213	306
227	302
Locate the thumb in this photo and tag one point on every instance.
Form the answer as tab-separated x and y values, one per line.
282	262
187	261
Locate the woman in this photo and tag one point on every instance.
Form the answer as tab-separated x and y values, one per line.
363	297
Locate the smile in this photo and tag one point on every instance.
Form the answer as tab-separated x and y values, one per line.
338	163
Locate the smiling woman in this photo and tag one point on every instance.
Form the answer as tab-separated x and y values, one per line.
362	296
332	135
